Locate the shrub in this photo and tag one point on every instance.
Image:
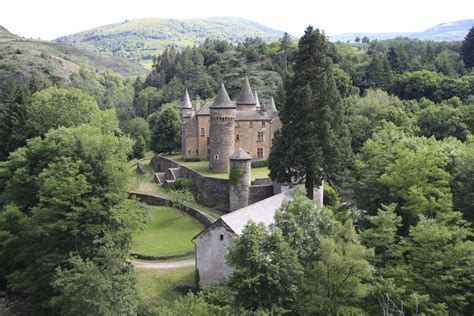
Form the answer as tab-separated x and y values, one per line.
193	159
259	164
182	184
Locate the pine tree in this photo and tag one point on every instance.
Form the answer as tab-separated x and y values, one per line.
467	49
313	143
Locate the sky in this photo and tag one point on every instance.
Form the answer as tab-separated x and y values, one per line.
49	19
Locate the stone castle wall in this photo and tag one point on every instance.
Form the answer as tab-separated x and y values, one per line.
209	191
189	134
247	132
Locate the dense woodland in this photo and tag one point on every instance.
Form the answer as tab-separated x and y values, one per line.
392	126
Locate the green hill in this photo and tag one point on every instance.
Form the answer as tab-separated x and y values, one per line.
143	38
45	62
452	31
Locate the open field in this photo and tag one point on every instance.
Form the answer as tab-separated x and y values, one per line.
162	286
169	232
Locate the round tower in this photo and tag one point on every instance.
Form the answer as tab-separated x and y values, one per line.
221	132
240	176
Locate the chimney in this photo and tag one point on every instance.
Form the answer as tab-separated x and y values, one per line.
198	103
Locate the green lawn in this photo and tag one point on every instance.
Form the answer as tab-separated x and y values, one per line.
203	168
169	232
162	287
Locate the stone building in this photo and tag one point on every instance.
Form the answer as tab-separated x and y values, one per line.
215	130
213	243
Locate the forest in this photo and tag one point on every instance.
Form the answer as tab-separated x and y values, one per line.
393	142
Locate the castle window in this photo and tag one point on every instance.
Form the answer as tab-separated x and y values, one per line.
196	151
202	132
251	124
237	137
208	140
222	237
189	151
259	152
259	136
263	123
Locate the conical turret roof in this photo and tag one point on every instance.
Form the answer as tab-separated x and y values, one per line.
246	95
240	154
222	99
257	101
271	105
186	103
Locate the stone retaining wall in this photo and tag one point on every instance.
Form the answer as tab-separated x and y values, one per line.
160	201
212	192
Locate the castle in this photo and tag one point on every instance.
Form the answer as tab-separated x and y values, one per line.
221	127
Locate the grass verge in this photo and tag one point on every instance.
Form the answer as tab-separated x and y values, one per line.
169	232
162	287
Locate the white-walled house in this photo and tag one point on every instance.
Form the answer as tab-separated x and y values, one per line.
213	243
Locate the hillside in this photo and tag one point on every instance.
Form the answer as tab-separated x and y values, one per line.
49	62
144	38
452	31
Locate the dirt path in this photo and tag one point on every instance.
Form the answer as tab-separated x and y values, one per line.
162	265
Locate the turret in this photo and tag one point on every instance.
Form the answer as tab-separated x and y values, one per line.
271	105
246	100
186	107
257	101
240	176
221	132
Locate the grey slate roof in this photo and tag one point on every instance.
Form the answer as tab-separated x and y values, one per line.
255	96
252	116
222	99
240	154
271	105
186	103
260	212
246	95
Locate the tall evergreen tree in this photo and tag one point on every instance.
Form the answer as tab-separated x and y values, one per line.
313	143
467	49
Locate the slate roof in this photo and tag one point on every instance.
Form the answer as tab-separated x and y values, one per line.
260	212
186	103
240	154
271	105
255	96
222	99
256	115
246	94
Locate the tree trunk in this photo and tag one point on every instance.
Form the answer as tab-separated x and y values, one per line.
309	185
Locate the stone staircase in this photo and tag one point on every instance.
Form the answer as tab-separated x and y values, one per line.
167	178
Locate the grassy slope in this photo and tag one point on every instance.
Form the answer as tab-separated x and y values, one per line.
203	168
150	36
145	184
49	61
162	287
169	232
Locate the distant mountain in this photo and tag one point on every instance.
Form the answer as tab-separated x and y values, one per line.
49	62
144	38
453	31
4	30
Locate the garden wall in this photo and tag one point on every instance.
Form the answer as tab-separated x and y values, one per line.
212	192
160	201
